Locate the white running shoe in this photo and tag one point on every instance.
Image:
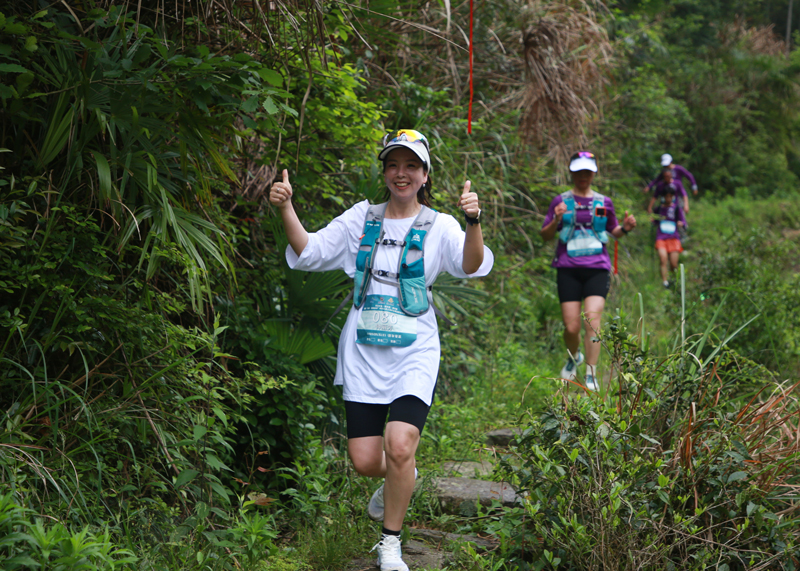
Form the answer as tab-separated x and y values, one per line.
571	368
390	555
591	382
375	506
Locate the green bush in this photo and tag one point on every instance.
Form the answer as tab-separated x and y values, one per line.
34	544
666	471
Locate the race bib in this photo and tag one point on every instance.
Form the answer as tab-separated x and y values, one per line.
382	322
667	226
584	243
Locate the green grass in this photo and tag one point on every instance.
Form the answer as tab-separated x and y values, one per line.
515	360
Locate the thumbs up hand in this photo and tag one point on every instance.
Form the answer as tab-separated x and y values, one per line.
469	202
281	192
628	222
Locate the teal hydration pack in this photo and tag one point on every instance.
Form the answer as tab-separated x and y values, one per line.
410	275
582	241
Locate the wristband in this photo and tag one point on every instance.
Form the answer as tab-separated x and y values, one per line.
473	221
623	229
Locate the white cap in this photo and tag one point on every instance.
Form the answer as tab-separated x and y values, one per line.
409	139
666	160
583	161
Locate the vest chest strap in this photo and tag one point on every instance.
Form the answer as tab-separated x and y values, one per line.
410	276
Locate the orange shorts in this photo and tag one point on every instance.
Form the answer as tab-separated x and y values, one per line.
670	245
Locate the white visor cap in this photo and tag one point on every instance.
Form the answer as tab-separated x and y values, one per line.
410	139
666	160
418	149
583	161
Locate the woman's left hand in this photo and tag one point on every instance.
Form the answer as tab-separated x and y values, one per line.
469	202
629	222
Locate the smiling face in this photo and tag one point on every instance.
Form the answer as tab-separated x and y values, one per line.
404	174
582	180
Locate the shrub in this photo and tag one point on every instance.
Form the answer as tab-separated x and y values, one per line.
680	468
27	544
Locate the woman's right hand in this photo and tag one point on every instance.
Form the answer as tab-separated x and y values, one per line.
281	192
559	211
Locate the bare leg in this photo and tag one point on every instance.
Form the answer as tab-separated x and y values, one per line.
662	256
402	440
594	305
367	456
673	260
571	314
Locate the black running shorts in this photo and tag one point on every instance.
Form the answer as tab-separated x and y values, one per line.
367	419
576	284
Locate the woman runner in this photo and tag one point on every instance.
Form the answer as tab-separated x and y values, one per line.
583	218
668	220
388	357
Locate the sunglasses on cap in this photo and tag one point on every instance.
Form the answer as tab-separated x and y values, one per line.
582	155
408	135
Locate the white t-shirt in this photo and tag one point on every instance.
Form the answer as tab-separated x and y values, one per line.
376	373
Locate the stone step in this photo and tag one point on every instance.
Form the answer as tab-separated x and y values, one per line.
502	437
468	469
443	539
460	496
416	554
430	549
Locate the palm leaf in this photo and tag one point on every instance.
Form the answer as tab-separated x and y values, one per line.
303	344
447	289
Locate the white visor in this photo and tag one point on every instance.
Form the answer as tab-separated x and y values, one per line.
583	164
419	149
666	160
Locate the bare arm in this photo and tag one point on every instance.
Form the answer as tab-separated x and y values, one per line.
548	232
628	224
281	196
473	243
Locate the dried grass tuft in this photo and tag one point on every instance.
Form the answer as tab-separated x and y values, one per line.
567	56
761	40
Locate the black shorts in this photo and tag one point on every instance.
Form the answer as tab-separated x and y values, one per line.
367	419
576	284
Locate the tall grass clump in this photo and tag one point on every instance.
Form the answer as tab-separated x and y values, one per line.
41	544
686	462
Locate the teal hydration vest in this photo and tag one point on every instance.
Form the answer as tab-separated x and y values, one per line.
582	241
410	275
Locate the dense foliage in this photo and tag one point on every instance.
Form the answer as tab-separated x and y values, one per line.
678	473
165	380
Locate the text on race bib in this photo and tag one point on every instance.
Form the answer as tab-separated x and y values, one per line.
382	322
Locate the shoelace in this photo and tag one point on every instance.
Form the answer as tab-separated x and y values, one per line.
380	546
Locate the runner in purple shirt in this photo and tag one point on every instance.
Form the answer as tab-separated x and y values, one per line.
583	267
669	220
669	184
679	173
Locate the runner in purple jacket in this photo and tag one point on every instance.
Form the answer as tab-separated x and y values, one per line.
679	173
669	184
583	218
669	220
